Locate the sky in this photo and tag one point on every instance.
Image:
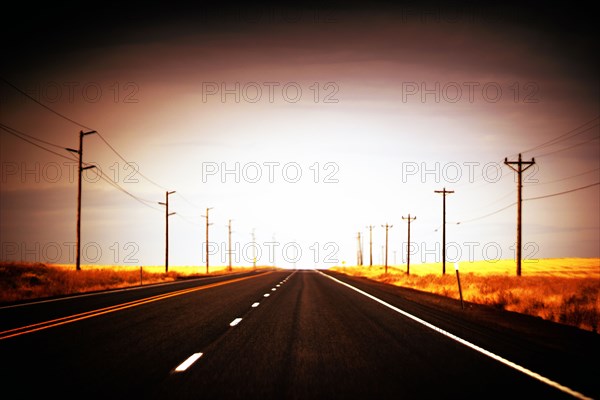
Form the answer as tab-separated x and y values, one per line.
303	126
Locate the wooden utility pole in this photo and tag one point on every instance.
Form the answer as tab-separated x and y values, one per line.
359	257
519	170
229	250
81	168
444	193
274	255
408	245
167	215
370	245
207	224
253	250
387	227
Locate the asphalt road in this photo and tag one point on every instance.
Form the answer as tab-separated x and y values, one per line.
286	335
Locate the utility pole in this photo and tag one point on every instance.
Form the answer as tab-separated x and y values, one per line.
274	250
370	245
207	224
387	227
81	168
167	215
444	193
519	170
359	257
409	219
253	249
229	249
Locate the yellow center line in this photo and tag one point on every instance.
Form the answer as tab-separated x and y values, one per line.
101	311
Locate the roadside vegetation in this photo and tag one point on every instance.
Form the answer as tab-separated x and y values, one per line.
26	281
563	290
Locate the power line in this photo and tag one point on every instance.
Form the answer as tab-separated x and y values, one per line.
565	136
14	133
568	148
486	215
561	193
559	138
80	125
33	137
187	219
530	198
128	163
568	177
101	174
45	106
187	201
118	187
499	199
476	181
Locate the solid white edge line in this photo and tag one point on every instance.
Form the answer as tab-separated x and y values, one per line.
235	322
187	363
504	361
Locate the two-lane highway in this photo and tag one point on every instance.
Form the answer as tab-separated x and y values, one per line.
276	335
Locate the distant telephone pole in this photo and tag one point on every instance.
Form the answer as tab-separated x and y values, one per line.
444	193
167	215
359	256
81	168
253	249
387	227
207	224
274	256
519	170
370	245
409	219
229	249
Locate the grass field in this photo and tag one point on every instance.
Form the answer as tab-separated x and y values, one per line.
25	281
564	290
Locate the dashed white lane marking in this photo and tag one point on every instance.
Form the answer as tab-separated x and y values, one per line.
277	285
504	361
194	357
187	363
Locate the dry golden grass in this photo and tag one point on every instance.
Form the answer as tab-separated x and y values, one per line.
562	290
25	281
